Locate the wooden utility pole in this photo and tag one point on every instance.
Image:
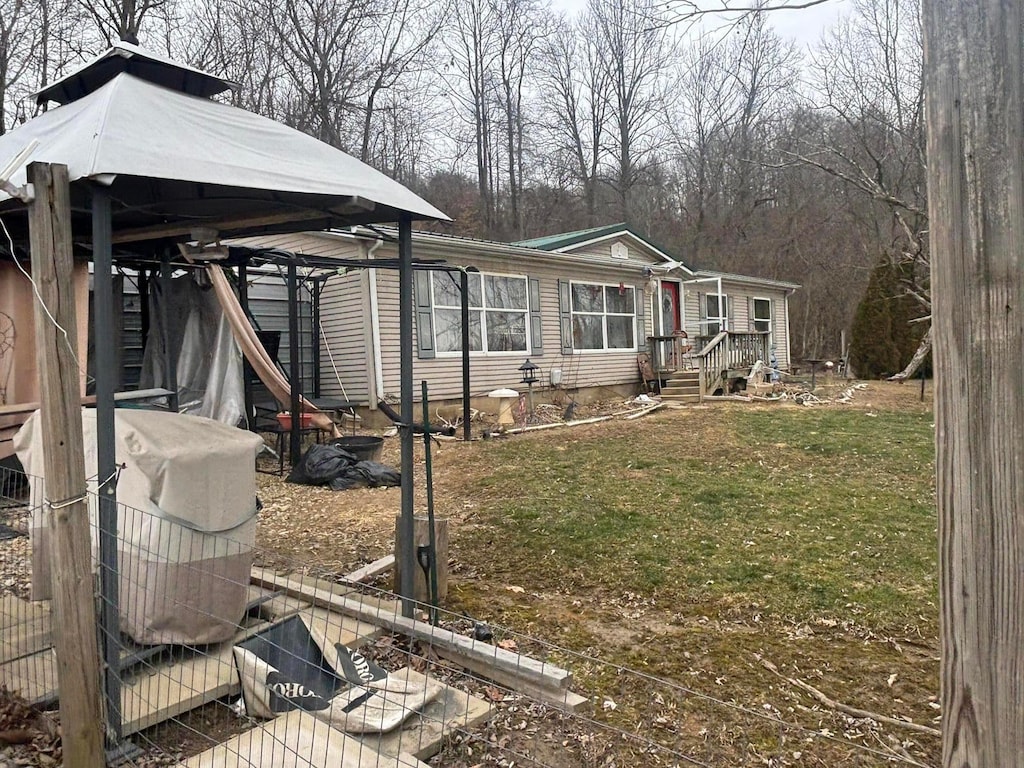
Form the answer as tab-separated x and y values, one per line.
974	84
67	508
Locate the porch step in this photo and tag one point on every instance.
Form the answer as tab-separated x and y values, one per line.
683	377
682	387
679	396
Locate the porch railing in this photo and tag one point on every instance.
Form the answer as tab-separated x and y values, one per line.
729	351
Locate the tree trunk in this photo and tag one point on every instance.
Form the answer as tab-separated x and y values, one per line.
919	357
364	153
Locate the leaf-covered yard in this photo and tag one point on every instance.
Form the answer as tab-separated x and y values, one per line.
706	547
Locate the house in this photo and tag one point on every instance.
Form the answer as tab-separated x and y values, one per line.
581	306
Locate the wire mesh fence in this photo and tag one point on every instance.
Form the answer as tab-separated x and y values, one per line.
222	662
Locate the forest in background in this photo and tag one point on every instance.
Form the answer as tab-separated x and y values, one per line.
715	137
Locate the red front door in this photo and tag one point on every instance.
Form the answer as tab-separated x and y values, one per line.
670	316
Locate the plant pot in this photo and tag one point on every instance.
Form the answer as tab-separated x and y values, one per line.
285	420
363	447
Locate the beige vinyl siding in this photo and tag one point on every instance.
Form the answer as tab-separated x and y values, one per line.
344	318
345	315
309	243
740	298
638	256
780	330
492	371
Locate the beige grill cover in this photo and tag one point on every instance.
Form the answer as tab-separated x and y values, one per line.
186	521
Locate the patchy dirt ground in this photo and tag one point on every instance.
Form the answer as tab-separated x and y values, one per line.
714	647
339	531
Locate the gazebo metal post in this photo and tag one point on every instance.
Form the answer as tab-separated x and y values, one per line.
243	300
170	359
144	304
464	285
294	371
316	286
106	377
405	309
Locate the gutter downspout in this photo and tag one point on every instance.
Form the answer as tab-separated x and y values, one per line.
378	356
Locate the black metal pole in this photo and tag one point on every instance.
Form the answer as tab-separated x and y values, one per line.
116	338
431	533
405	309
170	359
243	300
316	286
464	285
144	306
106	464
294	371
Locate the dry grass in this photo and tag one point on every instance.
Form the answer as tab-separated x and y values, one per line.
691	544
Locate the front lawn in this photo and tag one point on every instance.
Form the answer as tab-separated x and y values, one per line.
695	545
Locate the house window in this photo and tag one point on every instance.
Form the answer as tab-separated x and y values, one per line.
716	313
762	317
603	316
498	310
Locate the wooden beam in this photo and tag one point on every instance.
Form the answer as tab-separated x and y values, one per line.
562	698
160	231
297	740
974	84
24	628
539	673
371	571
67	509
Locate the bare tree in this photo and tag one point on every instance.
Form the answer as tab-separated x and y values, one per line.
231	38
322	46
39	39
472	47
635	55
870	82
521	25
402	36
687	12
120	19
574	84
20	41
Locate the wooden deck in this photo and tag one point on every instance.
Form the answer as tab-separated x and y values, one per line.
716	360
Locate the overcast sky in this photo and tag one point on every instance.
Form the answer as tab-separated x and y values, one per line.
804	25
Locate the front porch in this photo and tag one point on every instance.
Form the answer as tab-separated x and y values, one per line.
690	369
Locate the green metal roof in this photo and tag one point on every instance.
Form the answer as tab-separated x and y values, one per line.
565	239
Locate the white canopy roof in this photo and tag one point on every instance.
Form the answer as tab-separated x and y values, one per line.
168	156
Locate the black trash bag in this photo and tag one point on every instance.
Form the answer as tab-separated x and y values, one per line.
339	469
320	464
367	474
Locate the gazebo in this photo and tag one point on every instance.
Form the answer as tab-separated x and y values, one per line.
154	161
